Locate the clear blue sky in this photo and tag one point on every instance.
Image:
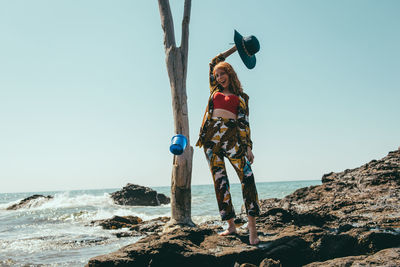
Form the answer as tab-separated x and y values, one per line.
85	100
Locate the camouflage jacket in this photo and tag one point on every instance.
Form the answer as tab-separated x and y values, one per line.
243	109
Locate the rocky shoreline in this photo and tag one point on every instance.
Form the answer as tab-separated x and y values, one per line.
353	218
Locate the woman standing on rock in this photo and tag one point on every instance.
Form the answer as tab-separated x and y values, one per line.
225	132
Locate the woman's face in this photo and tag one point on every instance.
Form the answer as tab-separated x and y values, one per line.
222	77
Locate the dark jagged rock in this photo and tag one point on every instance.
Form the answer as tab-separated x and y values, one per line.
202	246
270	263
118	222
152	226
32	201
385	257
163	199
365	196
181	247
245	265
136	225
136	195
352	218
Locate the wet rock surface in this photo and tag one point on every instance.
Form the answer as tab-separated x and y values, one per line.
136	225
32	201
352	218
118	222
387	257
137	195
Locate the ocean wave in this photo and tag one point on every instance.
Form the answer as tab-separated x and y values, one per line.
75	209
64	200
4	206
60	243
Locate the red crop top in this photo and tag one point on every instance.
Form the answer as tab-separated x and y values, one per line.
227	102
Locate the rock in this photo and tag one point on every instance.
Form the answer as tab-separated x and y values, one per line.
365	196
118	222
182	247
353	217
387	257
247	265
152	226
163	199
136	225
270	263
136	195
32	201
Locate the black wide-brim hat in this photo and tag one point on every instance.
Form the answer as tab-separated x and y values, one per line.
247	48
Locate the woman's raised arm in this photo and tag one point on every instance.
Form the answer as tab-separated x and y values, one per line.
219	58
229	52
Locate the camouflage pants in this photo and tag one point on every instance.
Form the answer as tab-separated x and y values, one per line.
223	141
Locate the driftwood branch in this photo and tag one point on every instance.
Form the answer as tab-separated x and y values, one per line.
185	34
167	24
185	26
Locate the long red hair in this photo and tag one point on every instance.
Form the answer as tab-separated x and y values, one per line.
234	84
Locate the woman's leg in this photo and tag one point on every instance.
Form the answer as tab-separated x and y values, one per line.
221	131
250	196
249	190
221	184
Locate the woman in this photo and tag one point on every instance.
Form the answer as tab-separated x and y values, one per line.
225	132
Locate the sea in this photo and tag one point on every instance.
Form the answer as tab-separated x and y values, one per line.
58	232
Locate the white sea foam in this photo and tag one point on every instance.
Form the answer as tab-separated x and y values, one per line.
203	219
4	206
64	200
59	238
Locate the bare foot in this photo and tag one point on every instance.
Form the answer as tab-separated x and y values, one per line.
254	240
228	231
231	228
253	237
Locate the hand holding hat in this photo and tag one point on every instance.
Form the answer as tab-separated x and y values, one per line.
247	48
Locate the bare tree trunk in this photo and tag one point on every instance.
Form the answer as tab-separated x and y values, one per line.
176	59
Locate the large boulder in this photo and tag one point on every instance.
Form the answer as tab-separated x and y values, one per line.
29	202
137	195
